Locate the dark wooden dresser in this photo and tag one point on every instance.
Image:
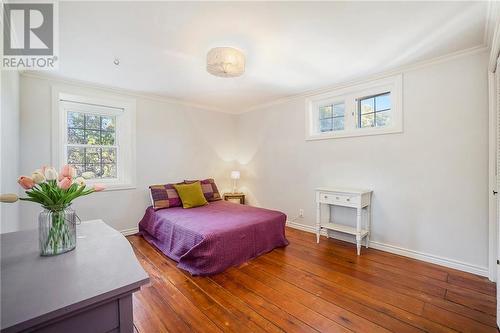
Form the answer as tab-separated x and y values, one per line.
86	290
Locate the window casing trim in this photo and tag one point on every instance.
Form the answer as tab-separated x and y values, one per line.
350	96
101	104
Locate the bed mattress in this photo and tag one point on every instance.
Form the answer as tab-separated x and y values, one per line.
207	240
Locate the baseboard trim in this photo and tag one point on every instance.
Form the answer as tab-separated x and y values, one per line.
131	231
450	263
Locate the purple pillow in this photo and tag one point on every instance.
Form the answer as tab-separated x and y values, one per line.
164	196
210	190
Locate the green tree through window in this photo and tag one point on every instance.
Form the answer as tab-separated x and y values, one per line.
374	111
91	145
331	117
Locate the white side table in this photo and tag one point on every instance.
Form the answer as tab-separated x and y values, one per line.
358	199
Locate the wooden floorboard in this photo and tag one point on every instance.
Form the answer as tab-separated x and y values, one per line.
309	287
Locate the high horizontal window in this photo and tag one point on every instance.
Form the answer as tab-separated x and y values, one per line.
331	117
97	137
368	108
374	111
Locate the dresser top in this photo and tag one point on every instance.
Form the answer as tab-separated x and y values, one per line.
343	190
36	289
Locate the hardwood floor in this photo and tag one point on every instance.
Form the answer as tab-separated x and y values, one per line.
309	287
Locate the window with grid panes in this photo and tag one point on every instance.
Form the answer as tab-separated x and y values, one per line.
366	108
331	117
91	144
374	111
95	133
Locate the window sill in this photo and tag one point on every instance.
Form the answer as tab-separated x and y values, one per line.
119	187
357	132
113	187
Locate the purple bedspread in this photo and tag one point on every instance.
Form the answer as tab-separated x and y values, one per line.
207	240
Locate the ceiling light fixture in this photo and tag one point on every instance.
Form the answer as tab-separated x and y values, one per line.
225	62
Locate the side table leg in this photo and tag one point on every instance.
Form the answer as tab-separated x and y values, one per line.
368	224
318	221
358	230
358	244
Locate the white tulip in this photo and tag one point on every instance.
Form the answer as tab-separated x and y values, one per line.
50	174
88	175
38	177
80	181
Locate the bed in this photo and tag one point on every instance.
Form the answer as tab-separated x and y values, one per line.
207	240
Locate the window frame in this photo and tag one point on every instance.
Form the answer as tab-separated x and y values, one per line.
350	95
375	111
70	106
332	103
123	109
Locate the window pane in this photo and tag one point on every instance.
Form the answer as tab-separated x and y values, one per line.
367	120
107	138
76	136
90	129
75	119
92	155
325	112
383	118
75	155
108	155
79	168
92	137
367	105
109	171
92	121
338	124
95	168
108	123
326	125
383	102
339	109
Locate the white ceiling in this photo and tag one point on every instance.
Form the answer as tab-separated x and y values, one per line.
290	47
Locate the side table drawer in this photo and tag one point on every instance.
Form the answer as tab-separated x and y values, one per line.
339	199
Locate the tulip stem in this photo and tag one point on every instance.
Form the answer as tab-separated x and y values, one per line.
58	237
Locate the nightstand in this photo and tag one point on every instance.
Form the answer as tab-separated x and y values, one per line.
235	197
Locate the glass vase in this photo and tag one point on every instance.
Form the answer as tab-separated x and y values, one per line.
56	230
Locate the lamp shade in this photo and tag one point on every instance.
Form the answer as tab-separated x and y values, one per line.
235	175
225	62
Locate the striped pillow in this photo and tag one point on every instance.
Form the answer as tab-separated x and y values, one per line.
210	190
164	196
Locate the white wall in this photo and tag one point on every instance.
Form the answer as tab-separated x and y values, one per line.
174	142
430	182
9	147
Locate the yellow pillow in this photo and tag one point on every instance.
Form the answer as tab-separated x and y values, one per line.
191	195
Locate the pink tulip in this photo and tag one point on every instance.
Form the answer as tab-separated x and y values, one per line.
65	183
98	187
26	182
67	171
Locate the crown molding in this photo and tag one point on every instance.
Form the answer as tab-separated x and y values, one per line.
491	22
380	75
494	50
492	33
358	80
120	91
